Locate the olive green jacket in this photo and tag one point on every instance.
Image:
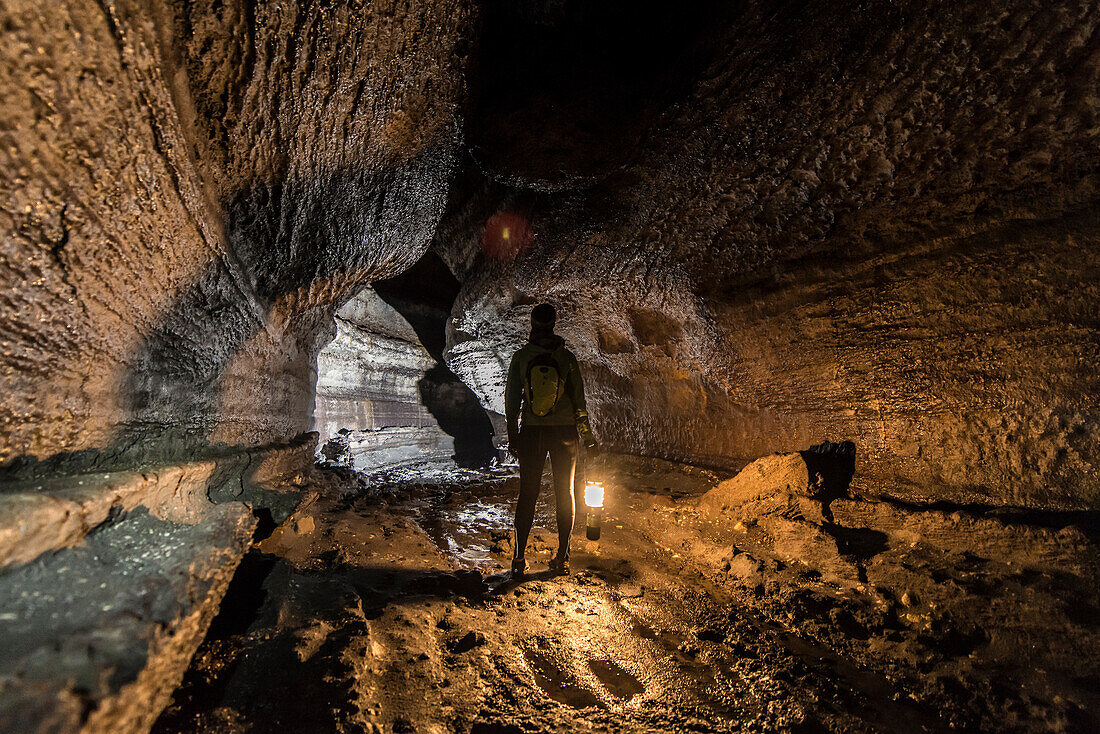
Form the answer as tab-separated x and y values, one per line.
570	408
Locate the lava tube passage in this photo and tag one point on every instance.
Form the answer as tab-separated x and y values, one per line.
549	366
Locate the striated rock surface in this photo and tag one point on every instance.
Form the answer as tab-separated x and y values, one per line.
109	581
875	224
369	380
97	637
188	191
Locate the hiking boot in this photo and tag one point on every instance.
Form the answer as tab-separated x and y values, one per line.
519	568
559	565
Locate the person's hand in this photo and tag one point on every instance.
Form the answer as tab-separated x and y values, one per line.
513	444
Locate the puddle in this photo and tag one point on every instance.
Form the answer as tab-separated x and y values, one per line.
467	524
466	532
618	681
556	684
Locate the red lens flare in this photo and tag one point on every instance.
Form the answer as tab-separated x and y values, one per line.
506	234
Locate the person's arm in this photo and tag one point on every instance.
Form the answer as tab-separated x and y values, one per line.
513	397
575	384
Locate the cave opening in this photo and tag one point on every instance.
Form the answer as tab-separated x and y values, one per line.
385	396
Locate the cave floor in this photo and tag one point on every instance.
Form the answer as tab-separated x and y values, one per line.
389	611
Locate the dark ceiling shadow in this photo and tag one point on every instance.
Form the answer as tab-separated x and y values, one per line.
562	92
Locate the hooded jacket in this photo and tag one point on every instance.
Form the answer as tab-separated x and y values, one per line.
570	408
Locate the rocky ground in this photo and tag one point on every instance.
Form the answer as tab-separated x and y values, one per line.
385	608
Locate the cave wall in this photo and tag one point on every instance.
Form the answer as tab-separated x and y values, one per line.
369	385
869	222
188	191
424	295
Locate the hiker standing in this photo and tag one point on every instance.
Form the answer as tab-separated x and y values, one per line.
545	381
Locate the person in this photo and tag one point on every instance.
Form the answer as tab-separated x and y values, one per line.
545	389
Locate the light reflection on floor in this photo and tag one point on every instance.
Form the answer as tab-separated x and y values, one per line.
469	514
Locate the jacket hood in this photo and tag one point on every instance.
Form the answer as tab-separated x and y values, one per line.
547	340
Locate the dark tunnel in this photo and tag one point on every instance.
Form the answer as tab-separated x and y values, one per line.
424	295
562	92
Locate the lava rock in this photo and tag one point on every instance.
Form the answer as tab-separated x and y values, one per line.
777	484
760	271
746	569
248	208
467	642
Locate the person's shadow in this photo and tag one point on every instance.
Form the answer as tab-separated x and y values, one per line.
502	583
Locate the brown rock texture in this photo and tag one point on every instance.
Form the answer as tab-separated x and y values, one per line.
109	584
97	637
188	190
777	483
873	224
766	225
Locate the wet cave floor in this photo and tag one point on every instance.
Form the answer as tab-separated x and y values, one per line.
388	610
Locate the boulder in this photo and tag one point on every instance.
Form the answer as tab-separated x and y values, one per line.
795	485
785	499
96	637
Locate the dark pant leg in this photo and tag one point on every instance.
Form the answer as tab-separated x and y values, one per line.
579	478
563	460
532	457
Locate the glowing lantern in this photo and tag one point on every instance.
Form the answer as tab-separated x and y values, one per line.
593	494
593	499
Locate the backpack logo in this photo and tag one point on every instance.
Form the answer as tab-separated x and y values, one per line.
545	385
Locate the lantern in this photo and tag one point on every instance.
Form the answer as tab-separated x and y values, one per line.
593	500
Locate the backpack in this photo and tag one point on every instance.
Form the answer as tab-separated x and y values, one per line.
545	384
